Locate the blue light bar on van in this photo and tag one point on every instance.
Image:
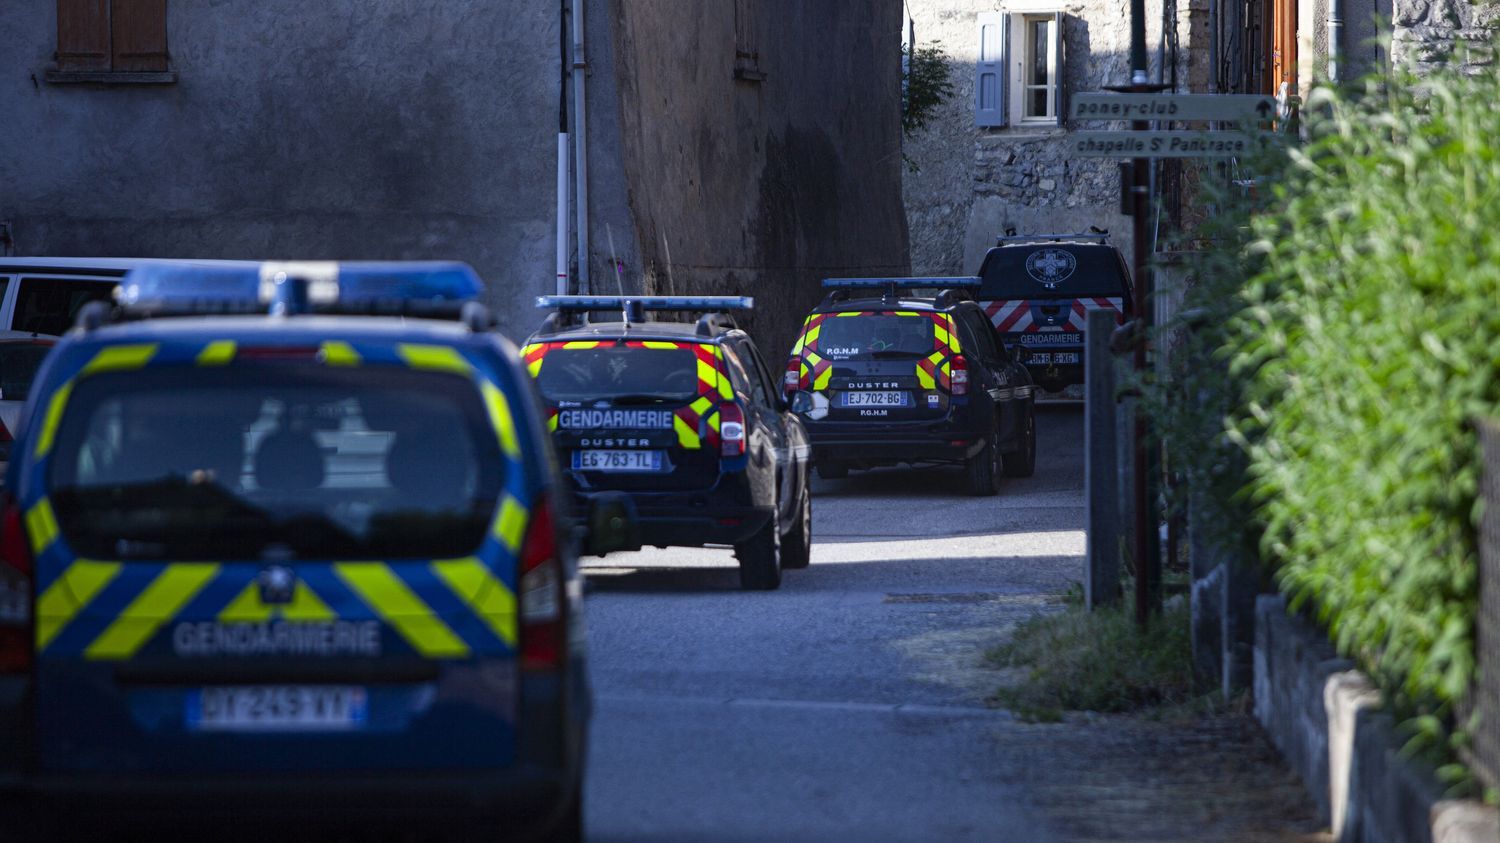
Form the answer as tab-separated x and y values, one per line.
600	303
296	286
903	283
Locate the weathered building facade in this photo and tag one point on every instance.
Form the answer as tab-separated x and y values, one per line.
747	146
998	157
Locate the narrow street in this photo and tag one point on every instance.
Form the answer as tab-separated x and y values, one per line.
849	704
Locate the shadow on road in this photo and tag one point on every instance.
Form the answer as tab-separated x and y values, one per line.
941	578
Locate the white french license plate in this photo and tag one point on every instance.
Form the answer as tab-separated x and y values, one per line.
1065	357
277	708
1039	357
874	399
617	460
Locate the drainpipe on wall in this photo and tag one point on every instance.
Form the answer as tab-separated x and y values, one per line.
1335	37
562	152
581	147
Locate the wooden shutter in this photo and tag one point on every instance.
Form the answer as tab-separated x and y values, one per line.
1060	70
138	35
83	34
989	74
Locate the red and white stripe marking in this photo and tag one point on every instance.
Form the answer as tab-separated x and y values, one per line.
1015	315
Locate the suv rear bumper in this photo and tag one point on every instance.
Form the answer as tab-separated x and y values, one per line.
855	443
719	515
78	806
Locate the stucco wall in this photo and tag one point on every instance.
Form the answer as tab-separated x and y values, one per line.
341	129
760	187
971	184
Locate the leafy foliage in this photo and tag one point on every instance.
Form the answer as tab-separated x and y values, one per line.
1344	340
929	84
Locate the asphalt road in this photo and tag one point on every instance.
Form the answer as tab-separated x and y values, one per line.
848	705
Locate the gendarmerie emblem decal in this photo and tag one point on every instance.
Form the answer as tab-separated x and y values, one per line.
1051	266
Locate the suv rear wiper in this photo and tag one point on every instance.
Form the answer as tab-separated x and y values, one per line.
648	398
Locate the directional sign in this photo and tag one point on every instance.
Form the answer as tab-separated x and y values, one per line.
1160	144
1172	107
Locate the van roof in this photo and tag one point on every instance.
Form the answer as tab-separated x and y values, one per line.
114	267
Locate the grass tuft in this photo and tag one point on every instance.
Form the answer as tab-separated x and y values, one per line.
1077	660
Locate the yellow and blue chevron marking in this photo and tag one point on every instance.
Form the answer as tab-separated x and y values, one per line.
451	609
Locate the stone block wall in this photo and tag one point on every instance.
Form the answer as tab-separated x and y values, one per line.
964	186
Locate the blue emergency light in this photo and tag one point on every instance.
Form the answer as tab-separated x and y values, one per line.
961	281
597	303
295	287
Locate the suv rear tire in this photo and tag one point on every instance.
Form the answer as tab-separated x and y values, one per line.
796	547
1022	462
983	469
760	558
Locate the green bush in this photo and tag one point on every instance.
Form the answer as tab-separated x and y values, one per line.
1345	343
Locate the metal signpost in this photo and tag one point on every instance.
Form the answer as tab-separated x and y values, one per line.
1141	103
1216	107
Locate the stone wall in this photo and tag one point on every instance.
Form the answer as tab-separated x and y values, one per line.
766	183
341	129
971	184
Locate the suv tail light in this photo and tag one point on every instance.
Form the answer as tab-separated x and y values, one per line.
15	592
543	631
731	429
958	375
793	379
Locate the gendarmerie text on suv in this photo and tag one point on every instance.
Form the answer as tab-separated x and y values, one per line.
681	419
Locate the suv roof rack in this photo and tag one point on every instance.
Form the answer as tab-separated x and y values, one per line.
634	309
952	287
1009	239
432	290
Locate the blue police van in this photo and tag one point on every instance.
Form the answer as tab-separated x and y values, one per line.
282	542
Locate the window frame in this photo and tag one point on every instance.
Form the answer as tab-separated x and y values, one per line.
111	42
1026	85
1013	70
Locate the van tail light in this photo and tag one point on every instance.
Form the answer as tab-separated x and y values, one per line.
792	381
15	592
958	375
731	429
543	625
6	441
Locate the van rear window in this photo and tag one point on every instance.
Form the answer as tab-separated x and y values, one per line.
274	460
1052	270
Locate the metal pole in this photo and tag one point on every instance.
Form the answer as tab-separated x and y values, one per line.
1335	37
563	164
1139	200
581	146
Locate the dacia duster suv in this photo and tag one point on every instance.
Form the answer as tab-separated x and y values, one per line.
881	376
683	420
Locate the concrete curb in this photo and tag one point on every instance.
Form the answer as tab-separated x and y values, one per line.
1327	720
